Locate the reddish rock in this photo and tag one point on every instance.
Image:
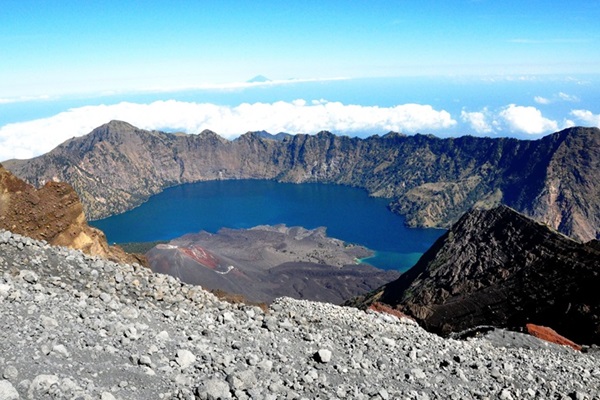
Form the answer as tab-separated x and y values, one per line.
382	308
550	335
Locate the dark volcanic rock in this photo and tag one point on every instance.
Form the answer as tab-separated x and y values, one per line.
431	181
266	262
498	267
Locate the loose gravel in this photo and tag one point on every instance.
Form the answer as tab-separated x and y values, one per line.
80	327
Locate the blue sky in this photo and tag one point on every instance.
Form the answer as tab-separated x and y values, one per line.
72	54
54	47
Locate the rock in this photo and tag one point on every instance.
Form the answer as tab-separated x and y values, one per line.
60	349
213	389
53	213
42	386
107	396
323	356
550	335
505	394
4	289
185	358
5	236
145	361
162	336
8	391
418	373
242	380
10	373
48	322
29	276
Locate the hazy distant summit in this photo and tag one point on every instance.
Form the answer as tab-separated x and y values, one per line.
259	79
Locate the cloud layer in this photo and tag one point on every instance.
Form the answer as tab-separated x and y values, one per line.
523	120
32	138
28	139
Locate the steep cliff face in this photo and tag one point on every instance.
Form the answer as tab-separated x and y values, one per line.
55	214
498	267
569	199
431	181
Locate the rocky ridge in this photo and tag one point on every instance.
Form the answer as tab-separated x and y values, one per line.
77	326
55	214
431	181
498	267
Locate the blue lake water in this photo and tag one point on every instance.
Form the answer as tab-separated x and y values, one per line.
348	213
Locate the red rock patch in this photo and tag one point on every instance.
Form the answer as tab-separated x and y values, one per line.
382	308
201	256
550	335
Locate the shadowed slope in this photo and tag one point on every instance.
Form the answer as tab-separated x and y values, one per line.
498	267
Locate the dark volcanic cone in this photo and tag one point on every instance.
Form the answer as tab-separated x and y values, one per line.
498	267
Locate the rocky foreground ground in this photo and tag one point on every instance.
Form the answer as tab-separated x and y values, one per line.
79	327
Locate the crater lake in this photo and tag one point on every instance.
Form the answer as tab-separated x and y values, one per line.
348	213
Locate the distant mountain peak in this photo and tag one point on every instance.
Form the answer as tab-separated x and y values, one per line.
266	135
259	79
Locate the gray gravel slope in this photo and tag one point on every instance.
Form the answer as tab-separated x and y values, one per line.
78	327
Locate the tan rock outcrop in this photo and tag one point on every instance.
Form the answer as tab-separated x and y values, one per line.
53	213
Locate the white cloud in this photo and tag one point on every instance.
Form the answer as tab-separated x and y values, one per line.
478	120
560	96
567	97
542	100
31	138
527	120
587	117
23	99
228	86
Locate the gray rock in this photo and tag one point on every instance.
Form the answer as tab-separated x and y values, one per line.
60	349
323	355
48	322
43	385
213	389
145	361
185	358
29	276
10	373
8	391
242	380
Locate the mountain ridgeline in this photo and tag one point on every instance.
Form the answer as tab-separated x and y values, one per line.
431	181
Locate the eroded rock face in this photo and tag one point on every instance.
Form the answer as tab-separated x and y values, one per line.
52	213
429	180
498	267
